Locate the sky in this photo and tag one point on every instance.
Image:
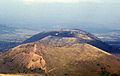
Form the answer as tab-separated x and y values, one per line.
61	13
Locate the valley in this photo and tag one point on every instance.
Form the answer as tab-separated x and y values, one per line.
13	36
111	37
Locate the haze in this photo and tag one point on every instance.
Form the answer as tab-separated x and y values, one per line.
61	13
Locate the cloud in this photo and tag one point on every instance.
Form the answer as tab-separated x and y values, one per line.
51	1
59	1
96	1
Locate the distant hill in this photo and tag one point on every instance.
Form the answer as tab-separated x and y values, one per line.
71	36
12	36
111	37
4	29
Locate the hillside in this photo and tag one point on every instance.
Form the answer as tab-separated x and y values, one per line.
69	60
71	36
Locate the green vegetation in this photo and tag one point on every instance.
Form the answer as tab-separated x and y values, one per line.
105	73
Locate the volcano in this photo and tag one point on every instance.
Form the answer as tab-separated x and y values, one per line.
61	53
71	36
